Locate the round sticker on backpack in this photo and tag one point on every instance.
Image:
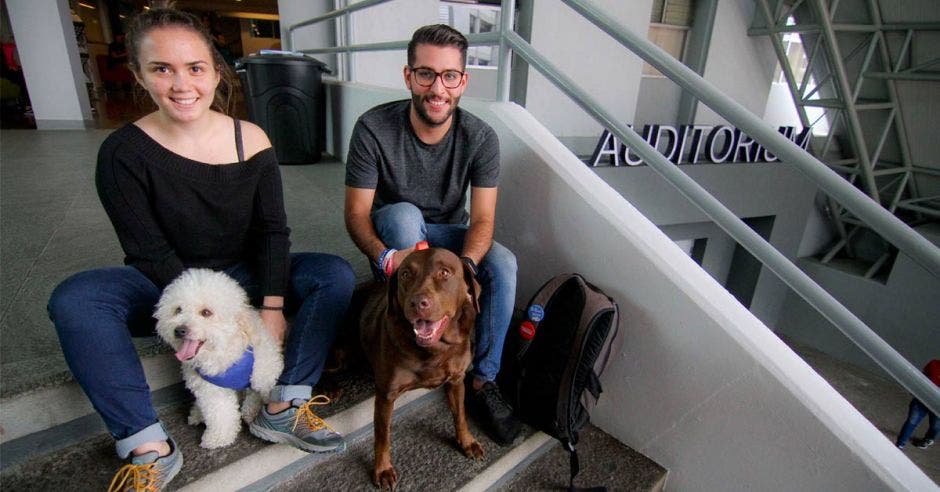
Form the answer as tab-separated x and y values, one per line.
536	313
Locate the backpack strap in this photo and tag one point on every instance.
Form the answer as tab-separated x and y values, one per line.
536	308
574	465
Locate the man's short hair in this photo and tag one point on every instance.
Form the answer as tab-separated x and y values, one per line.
438	35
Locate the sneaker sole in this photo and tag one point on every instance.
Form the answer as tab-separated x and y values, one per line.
271	435
172	472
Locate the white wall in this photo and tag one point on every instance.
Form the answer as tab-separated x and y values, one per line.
45	41
698	384
739	65
391	21
903	311
597	63
319	35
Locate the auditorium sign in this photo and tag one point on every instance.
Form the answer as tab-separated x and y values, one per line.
693	144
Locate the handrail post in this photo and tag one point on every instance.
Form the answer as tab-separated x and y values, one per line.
504	72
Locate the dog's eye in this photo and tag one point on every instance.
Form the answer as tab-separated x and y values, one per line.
178	310
445	274
404	274
205	313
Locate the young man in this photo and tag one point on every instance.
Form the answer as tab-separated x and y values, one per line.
409	166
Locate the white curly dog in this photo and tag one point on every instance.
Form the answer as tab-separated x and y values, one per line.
224	348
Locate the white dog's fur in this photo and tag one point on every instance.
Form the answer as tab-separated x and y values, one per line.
210	307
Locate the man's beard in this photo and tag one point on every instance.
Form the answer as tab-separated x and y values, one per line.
417	102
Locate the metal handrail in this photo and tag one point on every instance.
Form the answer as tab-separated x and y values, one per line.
879	219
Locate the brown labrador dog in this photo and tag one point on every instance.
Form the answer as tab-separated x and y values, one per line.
418	335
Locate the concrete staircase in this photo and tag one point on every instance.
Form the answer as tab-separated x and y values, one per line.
77	454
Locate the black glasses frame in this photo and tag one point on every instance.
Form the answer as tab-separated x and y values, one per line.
437	75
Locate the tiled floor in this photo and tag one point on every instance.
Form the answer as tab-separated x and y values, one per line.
53	226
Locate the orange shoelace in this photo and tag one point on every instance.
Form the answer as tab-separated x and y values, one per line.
141	478
311	420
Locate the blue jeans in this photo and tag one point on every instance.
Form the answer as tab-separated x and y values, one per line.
916	412
96	313
401	225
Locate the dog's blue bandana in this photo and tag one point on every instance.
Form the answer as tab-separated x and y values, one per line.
236	377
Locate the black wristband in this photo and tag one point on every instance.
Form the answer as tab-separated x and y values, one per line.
470	264
271	308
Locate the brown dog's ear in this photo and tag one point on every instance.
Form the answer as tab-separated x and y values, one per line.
473	287
393	307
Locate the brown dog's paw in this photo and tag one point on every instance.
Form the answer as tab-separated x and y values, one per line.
386	479
473	450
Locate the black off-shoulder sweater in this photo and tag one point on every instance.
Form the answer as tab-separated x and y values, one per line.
172	213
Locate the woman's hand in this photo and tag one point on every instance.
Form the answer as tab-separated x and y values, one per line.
276	324
274	319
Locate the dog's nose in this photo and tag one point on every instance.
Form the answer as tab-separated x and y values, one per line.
421	302
180	331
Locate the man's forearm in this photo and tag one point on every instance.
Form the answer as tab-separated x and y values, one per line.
478	240
364	236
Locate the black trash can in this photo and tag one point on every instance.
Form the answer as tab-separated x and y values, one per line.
285	97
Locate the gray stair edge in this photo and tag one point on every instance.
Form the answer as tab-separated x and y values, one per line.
272	465
32	412
510	464
66	434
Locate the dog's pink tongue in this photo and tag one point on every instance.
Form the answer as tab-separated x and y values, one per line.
425	328
188	350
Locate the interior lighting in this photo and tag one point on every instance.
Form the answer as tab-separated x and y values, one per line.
86	5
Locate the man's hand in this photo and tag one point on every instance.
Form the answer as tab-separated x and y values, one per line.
400	256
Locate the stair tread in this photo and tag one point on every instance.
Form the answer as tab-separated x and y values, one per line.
90	463
424	452
604	461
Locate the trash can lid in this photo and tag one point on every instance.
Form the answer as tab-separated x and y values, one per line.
281	58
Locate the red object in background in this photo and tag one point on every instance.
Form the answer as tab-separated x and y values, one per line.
421	245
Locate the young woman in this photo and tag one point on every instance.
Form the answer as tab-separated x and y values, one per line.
189	186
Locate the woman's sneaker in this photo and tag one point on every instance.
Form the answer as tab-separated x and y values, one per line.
148	472
299	427
922	443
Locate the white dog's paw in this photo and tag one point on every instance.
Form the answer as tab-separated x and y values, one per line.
219	438
251	406
195	416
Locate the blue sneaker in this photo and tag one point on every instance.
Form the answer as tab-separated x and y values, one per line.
148	472
298	426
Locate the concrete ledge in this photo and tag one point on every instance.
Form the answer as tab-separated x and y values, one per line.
45	408
506	467
266	468
64	124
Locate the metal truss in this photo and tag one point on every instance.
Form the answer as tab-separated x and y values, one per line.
851	76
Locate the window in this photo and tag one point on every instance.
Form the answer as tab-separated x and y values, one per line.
261	28
473	18
670	21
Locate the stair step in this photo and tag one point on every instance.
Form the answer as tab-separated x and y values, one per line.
79	455
87	460
604	461
424	453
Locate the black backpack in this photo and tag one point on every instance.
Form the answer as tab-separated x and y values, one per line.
552	363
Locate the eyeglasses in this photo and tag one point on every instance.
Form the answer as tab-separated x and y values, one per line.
425	77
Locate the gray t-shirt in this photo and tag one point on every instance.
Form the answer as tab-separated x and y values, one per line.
386	155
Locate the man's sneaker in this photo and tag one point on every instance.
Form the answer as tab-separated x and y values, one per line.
299	427
488	405
148	472
922	443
